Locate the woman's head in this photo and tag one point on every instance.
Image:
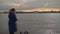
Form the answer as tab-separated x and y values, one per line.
12	10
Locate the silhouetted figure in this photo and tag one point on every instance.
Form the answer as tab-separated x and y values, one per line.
26	32
12	21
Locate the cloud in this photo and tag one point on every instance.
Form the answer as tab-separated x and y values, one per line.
14	4
23	1
29	4
11	3
42	4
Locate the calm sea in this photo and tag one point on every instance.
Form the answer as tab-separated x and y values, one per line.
34	23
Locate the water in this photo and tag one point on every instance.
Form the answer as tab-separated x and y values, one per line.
35	23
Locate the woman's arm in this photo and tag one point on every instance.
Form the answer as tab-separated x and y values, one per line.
12	18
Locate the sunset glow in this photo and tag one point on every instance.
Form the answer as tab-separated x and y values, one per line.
30	5
40	10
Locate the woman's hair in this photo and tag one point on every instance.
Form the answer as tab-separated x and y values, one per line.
12	10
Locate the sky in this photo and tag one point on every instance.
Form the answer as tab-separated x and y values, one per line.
28	4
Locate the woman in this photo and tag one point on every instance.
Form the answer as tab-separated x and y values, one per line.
12	21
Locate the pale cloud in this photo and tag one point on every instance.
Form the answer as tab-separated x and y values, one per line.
17	4
29	4
14	4
23	1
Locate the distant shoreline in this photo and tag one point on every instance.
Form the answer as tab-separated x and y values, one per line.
30	12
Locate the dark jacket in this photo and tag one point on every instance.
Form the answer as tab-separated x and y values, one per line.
12	22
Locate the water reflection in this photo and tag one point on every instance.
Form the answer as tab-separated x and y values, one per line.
44	23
